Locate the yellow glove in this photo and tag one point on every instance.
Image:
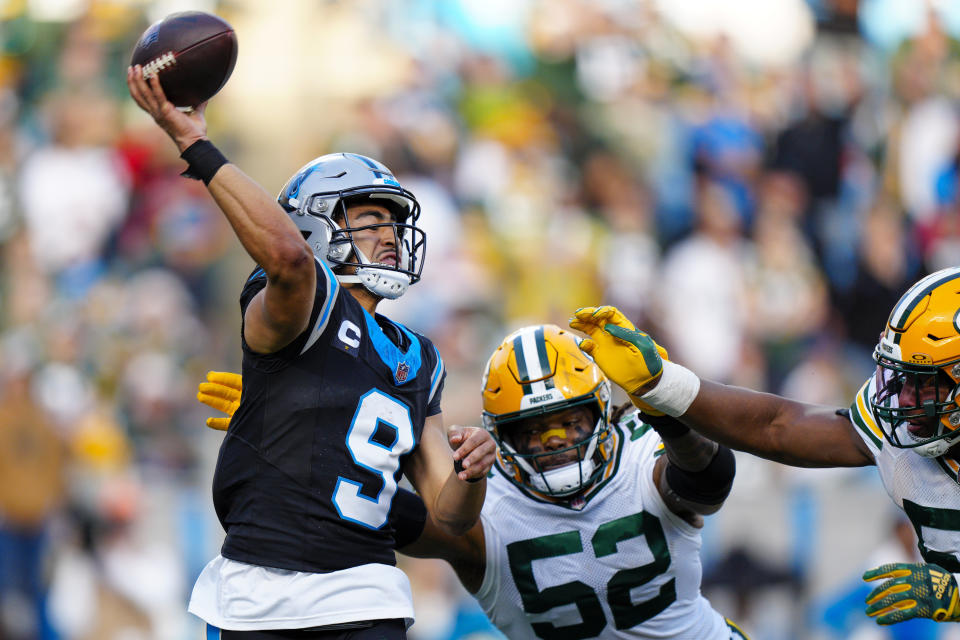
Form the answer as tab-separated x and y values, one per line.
221	391
626	355
912	591
640	404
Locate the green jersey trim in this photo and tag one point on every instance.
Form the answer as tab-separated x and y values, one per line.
861	417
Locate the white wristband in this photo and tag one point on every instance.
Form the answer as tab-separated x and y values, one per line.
675	391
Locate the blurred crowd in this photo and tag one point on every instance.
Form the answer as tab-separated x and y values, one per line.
758	216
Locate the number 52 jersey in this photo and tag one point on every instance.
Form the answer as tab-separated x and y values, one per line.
623	566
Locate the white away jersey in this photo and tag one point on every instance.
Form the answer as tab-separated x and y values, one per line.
927	489
623	566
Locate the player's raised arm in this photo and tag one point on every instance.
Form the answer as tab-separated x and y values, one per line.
282	310
763	424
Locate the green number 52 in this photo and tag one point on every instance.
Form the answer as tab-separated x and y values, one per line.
626	614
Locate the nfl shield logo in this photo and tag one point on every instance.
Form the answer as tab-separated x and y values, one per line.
402	370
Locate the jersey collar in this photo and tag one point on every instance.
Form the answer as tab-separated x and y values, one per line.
403	364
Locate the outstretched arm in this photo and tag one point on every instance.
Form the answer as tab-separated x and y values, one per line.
280	312
773	427
763	424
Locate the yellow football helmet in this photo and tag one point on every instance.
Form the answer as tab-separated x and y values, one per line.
918	367
539	370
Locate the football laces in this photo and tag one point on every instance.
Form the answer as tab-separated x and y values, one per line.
158	64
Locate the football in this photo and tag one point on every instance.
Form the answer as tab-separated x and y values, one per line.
192	52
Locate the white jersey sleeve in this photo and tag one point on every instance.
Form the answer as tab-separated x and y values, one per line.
863	419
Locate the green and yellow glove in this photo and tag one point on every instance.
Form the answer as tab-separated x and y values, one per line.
626	355
912	591
222	392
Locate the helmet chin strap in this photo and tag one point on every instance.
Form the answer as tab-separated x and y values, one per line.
384	283
939	447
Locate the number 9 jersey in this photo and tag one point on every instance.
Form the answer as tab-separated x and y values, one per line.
309	467
624	566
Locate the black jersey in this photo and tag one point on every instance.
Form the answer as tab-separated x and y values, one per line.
309	467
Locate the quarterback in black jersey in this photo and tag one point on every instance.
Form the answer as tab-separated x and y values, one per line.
338	403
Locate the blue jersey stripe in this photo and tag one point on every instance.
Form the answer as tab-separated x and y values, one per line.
333	290
437	374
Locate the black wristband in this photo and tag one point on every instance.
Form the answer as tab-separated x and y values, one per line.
203	161
458	467
666	426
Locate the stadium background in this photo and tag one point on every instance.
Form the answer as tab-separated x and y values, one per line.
753	181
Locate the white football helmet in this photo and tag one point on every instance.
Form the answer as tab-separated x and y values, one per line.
316	198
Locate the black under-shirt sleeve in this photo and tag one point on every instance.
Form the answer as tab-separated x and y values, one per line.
255	282
408	515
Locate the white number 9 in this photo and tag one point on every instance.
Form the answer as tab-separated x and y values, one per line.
376	408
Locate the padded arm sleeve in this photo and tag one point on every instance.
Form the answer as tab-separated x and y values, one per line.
711	485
